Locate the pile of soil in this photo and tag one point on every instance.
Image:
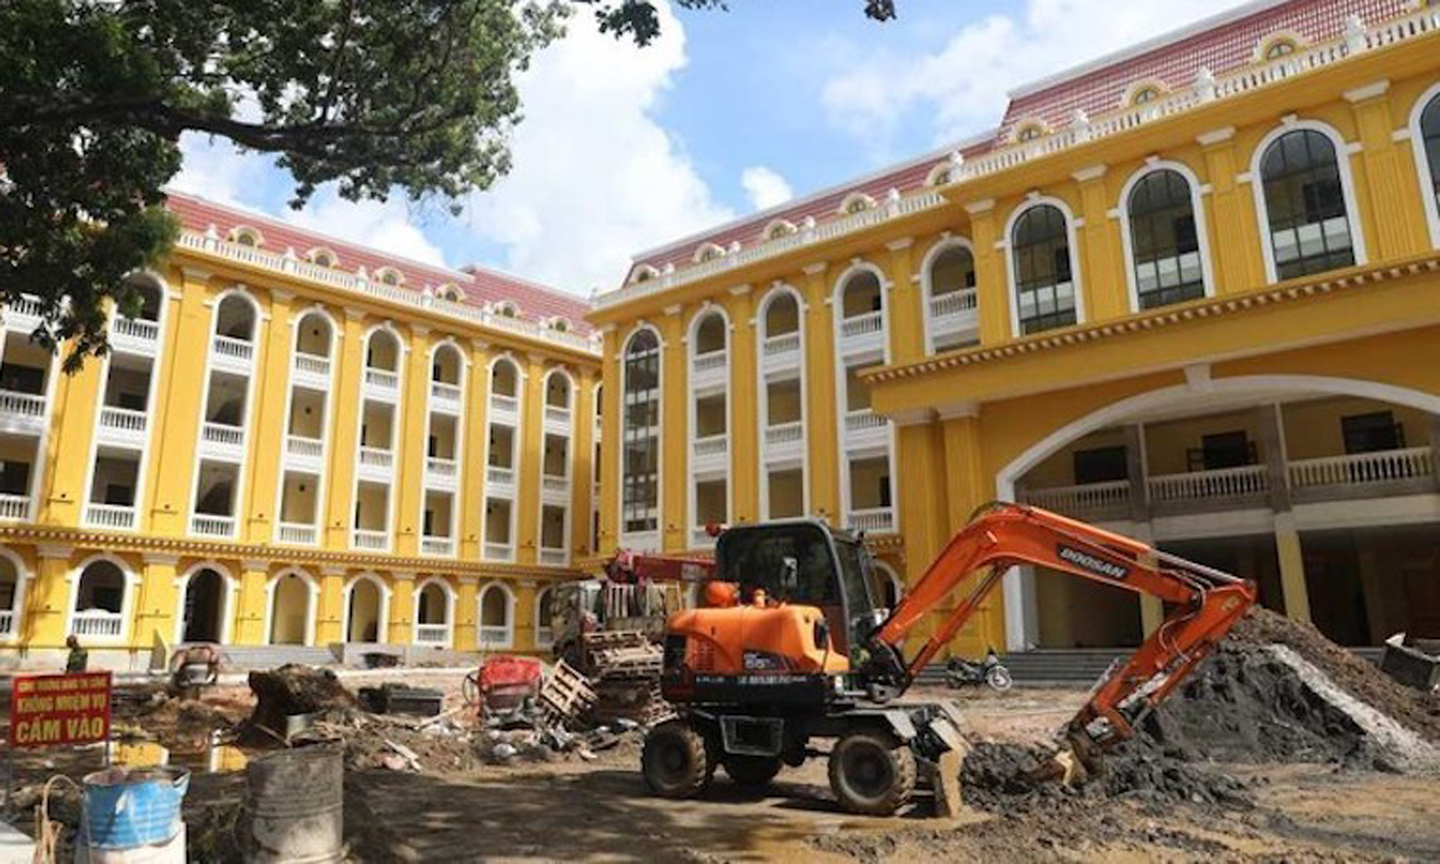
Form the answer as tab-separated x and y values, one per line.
374	742
295	689
180	724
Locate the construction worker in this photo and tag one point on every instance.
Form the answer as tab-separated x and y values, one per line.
78	658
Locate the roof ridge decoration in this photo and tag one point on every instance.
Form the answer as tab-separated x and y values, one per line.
907	181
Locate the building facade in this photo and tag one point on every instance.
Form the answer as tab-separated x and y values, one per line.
1190	292
297	441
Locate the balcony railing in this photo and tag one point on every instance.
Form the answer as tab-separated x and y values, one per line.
495	636
873	520
711	365
954	303
17	404
312	364
1241	482
503	404
438	467
712	445
784	433
863	419
499	475
445	395
297	534
209	525
136	329
120	517
24	313
499	551
861	325
432	634
97	622
553	557
1363	468
376	457
232	348
305	448
223	434
14	507
363	538
7	623
123	419
555	484
381	379
1084	499
556	415
783	343
443	546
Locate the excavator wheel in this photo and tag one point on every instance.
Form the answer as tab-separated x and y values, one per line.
675	761
871	773
752	771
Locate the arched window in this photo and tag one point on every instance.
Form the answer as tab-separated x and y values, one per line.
150	292
1044	278
383	350
450	292
1304	199
544	613
292	597
497	624
782	316
1145	94
710	333
235	317
322	257
1164	240
432	614
1277	47
12	589
507	310
446	365
244	235
949	281
389	276
640	472
313	334
365	609
1429	144
100	601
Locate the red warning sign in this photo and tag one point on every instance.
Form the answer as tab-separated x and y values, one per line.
46	710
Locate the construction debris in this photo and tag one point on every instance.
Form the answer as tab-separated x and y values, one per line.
293	690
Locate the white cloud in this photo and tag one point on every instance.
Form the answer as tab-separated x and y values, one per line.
214	169
387	227
961	86
764	187
595	177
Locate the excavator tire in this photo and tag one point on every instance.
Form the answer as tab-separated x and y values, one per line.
675	762
752	771
871	773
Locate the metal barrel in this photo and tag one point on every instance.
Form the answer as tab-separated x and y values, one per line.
295	806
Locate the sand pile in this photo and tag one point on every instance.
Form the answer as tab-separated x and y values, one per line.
1274	691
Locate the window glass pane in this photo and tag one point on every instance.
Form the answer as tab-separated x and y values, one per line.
1041	255
1163	237
1305	204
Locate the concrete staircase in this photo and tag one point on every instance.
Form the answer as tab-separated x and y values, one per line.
270	656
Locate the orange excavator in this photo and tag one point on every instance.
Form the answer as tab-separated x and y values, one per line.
791	648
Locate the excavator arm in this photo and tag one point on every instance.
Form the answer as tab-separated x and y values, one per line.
1202	604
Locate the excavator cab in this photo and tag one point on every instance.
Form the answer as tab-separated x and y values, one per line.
804	562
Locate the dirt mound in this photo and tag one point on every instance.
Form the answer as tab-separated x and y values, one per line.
437	749
1420	712
294	689
181	723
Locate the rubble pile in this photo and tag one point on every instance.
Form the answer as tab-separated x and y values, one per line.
624	669
1273	691
295	691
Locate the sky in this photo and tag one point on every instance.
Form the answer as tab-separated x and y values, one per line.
623	149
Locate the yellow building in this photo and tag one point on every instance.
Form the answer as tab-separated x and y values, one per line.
300	442
1190	291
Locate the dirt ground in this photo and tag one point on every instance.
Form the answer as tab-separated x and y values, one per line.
570	808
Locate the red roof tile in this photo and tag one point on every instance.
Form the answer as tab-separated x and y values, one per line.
480	285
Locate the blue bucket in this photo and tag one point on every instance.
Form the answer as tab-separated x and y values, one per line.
129	808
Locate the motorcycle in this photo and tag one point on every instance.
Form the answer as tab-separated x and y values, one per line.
960	672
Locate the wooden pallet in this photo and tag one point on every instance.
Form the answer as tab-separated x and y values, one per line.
565	694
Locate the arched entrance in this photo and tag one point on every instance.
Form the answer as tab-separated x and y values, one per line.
290	614
204	607
365	611
1322	490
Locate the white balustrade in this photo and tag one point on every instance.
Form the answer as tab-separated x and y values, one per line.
445	395
503	404
553	557
953	303
495	636
297	534
304	448
122	419
557	416
312	364
874	520
97	622
208	525
432	634
443	546
784	433
376	457
438	467
381	379
711	362
223	434
1356	469
865	418
233	348
17	404
783	343
499	551
117	516
500	475
712	445
1246	480
28	306
372	540
14	507
555	484
137	329
860	325
1083	498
